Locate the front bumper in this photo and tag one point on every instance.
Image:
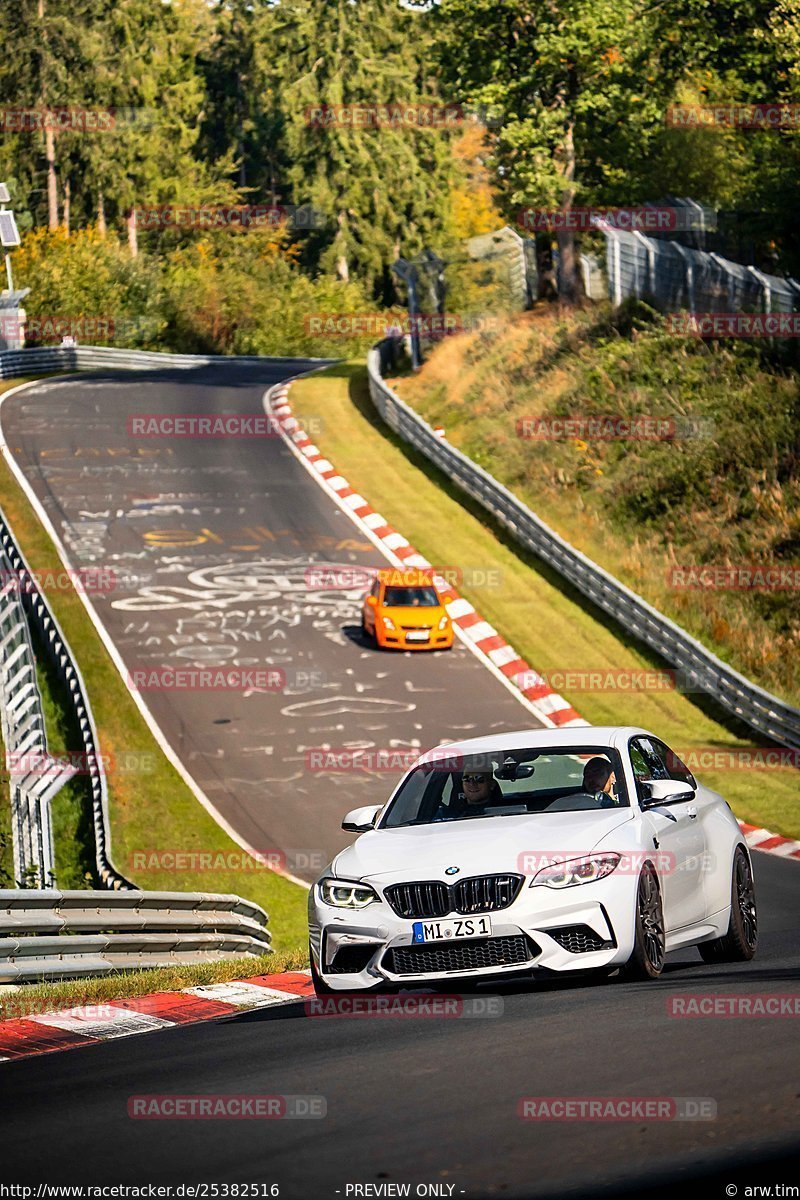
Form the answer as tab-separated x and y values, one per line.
583	928
398	639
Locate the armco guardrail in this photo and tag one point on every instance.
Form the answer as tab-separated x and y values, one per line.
702	670
52	934
17	363
34	777
34	606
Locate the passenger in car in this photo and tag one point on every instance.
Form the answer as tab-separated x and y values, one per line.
599	780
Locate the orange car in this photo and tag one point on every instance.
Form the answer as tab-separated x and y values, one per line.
404	611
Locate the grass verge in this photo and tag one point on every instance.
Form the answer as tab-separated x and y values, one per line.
150	807
70	993
551	625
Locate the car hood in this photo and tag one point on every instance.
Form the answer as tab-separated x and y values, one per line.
481	846
422	615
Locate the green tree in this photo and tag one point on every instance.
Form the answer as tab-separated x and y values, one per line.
382	190
570	78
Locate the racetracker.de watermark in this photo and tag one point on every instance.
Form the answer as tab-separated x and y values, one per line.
353	1004
378	324
743	758
229	216
331	577
202	425
218	1107
742	577
589	428
207	679
529	862
396	115
642	219
725	1007
38	764
191	861
763	115
374	759
90	580
738	325
617	1108
19	118
616	679
92	329
12	1008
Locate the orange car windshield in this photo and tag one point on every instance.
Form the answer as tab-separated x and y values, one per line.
411	597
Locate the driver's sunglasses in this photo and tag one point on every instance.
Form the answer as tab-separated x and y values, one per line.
475	778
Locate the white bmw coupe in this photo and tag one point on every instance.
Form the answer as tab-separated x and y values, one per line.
583	849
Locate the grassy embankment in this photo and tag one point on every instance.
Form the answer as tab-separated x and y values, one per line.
645	509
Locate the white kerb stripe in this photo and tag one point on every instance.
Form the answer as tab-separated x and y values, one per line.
503	655
481	631
373	520
354	501
394	540
552	703
120	1022
239	993
459	607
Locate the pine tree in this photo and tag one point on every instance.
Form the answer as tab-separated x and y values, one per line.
383	190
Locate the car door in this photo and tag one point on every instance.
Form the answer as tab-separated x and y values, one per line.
679	833
369	609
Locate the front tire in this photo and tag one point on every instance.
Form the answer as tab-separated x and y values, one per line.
741	941
649	948
320	986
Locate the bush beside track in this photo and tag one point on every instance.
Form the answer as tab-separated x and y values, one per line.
549	625
148	808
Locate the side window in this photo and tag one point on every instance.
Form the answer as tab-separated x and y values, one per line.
641	770
646	763
673	766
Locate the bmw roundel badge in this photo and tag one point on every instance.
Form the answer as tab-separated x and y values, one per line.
452	871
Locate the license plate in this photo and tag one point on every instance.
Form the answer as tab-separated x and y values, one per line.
445	931
417	637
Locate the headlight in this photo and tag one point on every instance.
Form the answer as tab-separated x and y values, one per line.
341	893
445	621
388	622
576	870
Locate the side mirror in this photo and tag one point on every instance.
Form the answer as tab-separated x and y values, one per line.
372	601
361	819
666	791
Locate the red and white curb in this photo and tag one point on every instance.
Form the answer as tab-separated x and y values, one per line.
480	637
86	1025
770	843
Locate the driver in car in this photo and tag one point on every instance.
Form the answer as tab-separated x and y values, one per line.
599	780
480	791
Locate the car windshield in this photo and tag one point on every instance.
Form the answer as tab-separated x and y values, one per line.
509	783
411	597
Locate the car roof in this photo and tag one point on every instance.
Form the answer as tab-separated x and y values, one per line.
576	735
